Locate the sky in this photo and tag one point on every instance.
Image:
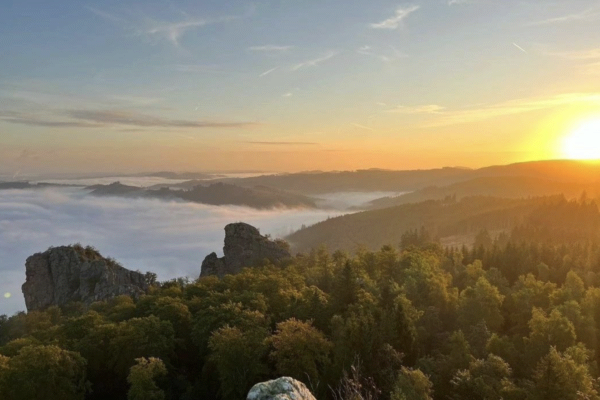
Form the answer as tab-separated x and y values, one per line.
281	85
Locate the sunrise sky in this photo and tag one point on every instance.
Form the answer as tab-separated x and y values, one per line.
107	86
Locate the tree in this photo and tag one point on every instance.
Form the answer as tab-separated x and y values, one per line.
564	376
412	384
43	372
239	358
484	380
481	303
142	378
300	351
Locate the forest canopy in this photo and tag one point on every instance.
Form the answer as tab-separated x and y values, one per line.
516	316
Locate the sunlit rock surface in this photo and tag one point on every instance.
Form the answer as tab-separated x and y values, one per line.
280	389
73	273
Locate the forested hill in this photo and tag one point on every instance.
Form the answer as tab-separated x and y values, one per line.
453	222
499	186
260	197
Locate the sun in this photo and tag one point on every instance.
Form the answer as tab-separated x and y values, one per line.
583	143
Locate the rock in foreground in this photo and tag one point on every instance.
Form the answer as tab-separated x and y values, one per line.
280	389
73	273
244	247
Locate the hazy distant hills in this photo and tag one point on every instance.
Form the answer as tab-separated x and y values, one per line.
215	194
311	183
498	186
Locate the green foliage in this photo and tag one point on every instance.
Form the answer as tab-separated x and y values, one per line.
43	372
142	378
515	320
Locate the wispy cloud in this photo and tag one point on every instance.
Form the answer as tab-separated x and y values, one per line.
121	117
366	128
424	109
110	118
368	51
590	14
520	48
270	48
105	15
284	143
589	54
198	68
445	117
459	2
316	61
30	119
395	21
171	31
268	72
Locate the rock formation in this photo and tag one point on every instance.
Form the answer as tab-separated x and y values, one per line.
73	273
280	389
244	247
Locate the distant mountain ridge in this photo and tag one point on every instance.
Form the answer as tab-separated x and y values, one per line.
315	182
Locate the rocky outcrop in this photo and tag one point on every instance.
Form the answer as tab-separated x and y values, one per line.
280	389
73	273
244	247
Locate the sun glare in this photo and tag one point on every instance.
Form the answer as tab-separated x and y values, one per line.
584	142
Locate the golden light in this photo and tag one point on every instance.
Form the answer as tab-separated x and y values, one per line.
7	295
584	142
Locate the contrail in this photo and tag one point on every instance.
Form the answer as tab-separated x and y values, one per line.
520	48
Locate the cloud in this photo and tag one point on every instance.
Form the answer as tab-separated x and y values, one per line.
23	118
590	54
395	21
368	51
270	48
425	109
268	72
590	14
366	128
520	48
316	61
167	237
130	118
106	118
459	2
285	143
170	31
445	117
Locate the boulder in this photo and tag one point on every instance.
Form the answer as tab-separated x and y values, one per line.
280	389
73	273
244	247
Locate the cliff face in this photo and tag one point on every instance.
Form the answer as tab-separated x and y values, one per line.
244	247
73	273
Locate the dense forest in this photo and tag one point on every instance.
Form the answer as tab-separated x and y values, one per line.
515	316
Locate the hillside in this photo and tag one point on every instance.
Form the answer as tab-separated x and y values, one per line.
452	222
260	197
499	186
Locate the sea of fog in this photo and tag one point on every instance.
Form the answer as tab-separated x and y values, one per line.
170	238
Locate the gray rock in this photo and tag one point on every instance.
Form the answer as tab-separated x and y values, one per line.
72	273
280	389
244	247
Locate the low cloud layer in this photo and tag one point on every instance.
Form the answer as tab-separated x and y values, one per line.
169	238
